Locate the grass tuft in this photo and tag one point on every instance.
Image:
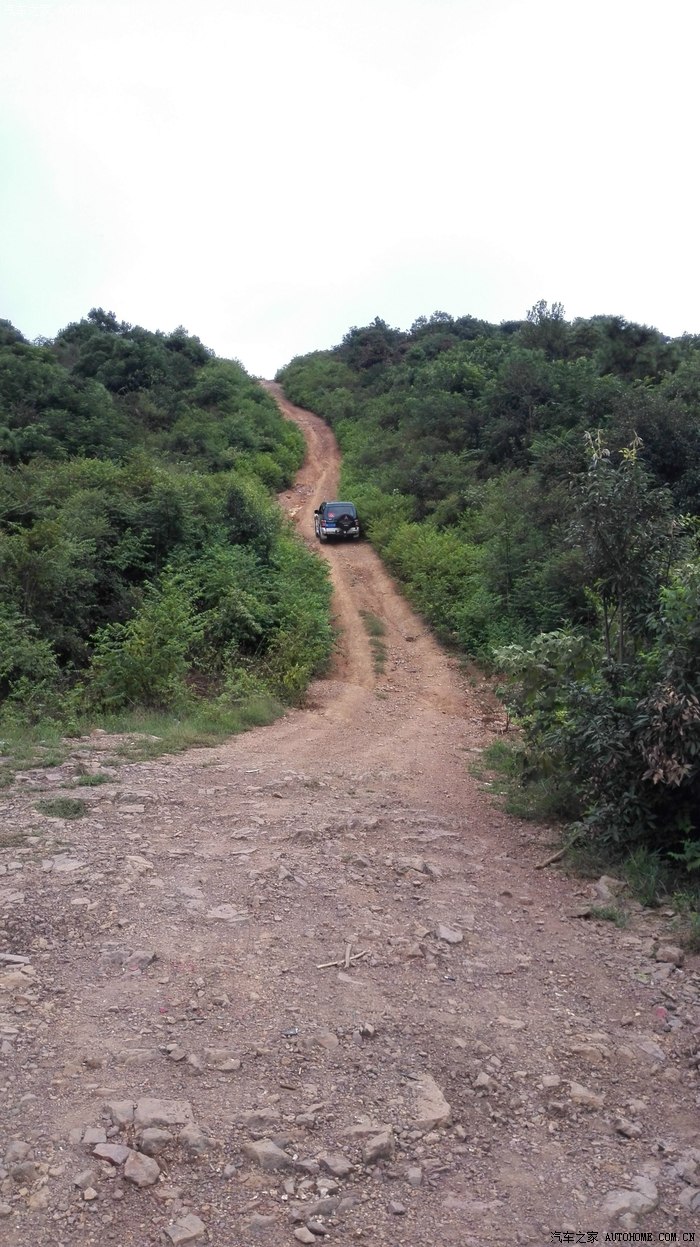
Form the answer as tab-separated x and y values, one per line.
63	807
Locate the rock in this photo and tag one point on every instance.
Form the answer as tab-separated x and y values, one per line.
5	1210
89	1194
194	1140
670	953
414	1176
39	1200
259	1222
514	1024
399	1210
153	1141
16	1151
690	1199
24	1173
607	888
141	1170
139	959
259	1119
302	1235
186	1230
432	1108
195	1063
151	1112
625	1203
135	1057
449	935
327	1040
93	1135
267	1155
551	1080
85	1179
115	1153
324	1207
630	1129
585	1098
221	1059
121	1111
335	1163
484	1081
379	1147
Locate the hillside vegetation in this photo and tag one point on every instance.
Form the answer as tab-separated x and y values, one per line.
535	488
144	565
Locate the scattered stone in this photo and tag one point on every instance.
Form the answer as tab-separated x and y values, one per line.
176	1053
222	1060
670	953
335	1163
140	959
121	1111
89	1194
551	1080
16	1151
85	1179
39	1200
399	1210
414	1176
185	1230
607	888
630	1129
24	1173
259	1222
5	1210
267	1155
327	1040
432	1108
153	1141
631	1203
259	1119
587	1099
150	1112
690	1199
514	1024
115	1153
195	1063
449	935
484	1081
379	1147
141	1170
194	1140
303	1235
93	1135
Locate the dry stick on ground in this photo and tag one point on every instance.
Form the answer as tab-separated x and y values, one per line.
344	961
549	861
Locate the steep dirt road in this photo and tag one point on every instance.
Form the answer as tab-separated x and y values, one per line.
476	1065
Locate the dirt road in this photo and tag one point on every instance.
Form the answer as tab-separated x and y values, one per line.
316	975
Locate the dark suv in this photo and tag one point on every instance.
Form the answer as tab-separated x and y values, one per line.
336	519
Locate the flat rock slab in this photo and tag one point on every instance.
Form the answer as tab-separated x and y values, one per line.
186	1230
150	1112
115	1153
268	1155
432	1108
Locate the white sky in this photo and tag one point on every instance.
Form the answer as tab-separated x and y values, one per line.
270	172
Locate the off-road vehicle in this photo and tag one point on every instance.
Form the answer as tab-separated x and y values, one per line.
336	519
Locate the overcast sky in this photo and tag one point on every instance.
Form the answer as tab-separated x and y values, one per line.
269	172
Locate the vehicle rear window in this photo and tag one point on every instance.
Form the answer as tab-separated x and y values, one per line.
335	509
